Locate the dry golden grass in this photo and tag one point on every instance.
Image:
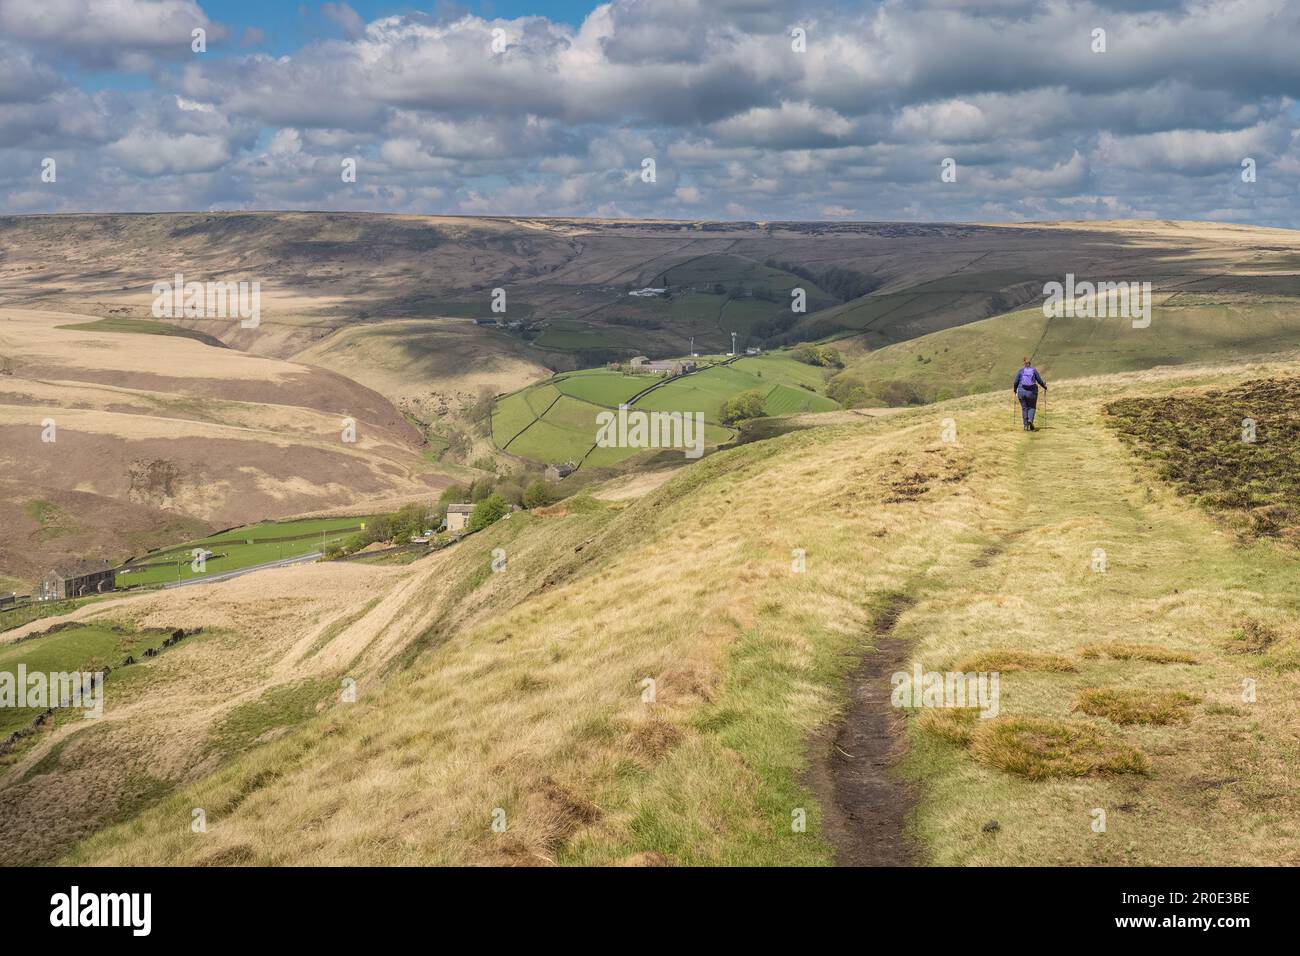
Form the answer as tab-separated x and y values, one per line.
1014	659
1037	748
1120	651
160	716
633	486
1133	706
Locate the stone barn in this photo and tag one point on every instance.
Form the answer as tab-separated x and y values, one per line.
76	580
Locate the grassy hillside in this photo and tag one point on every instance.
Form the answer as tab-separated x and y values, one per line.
555	421
433	369
1186	328
678	669
642	681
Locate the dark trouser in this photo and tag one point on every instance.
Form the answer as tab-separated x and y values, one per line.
1028	403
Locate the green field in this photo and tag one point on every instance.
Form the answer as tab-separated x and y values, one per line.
26	613
78	649
239	548
601	387
552	444
779	367
784	400
555	421
707	391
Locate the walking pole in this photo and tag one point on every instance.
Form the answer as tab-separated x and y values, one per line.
1044	411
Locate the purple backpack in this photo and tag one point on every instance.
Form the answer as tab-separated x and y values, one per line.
1027	377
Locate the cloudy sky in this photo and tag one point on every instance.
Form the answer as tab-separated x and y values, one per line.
810	109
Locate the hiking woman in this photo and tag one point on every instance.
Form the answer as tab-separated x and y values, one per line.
1026	389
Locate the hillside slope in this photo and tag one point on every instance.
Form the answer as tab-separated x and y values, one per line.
1186	328
521	696
154	437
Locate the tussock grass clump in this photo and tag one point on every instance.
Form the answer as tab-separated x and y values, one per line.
555	812
1013	659
953	724
1278	648
1038	748
652	740
527	684
1135	706
1143	652
1253	637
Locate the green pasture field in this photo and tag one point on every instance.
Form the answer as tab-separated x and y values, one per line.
79	649
601	387
779	367
551	444
239	548
569	403
572	337
784	400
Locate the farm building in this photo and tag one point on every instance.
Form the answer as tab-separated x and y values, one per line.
668	368
556	472
458	518
76	580
661	366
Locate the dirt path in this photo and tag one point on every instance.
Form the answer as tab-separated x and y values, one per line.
864	805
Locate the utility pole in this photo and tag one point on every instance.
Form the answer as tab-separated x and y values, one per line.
733	343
